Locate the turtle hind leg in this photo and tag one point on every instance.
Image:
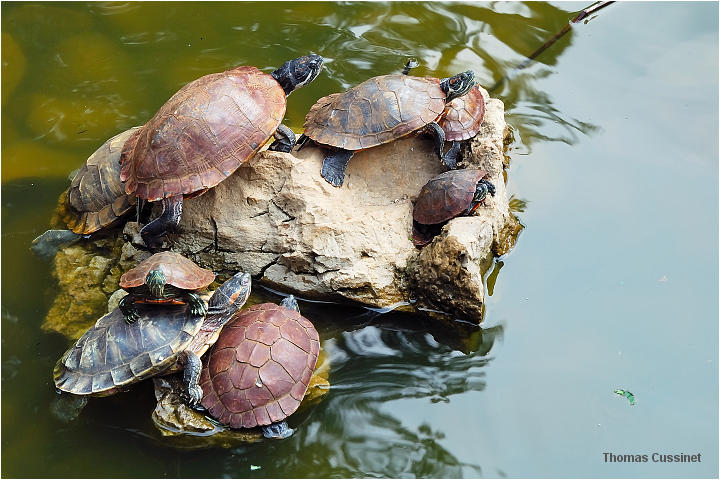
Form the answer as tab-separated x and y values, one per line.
152	233
277	430
48	244
193	392
334	165
284	140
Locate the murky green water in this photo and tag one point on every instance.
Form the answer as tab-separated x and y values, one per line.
613	283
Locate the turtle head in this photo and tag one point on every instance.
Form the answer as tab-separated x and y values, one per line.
458	85
298	72
155	281
232	294
481	191
291	303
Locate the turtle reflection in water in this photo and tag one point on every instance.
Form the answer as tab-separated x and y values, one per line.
165	339
259	370
450	194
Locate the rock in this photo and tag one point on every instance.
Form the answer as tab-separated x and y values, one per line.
189	428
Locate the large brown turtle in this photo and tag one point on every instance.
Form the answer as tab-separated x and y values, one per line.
258	371
206	131
453	193
113	354
380	110
96	198
164	278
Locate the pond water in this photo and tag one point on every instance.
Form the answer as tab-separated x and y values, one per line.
613	283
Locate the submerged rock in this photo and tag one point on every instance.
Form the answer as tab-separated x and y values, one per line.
279	220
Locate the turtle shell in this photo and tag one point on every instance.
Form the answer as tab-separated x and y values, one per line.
377	111
203	133
96	197
258	371
179	272
113	353
463	116
446	196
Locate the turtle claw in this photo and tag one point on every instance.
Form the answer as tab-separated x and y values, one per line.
194	395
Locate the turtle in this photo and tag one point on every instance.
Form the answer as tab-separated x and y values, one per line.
463	115
258	371
380	110
450	194
114	354
96	198
204	132
164	278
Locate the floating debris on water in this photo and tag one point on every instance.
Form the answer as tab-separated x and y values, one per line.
255	467
626	394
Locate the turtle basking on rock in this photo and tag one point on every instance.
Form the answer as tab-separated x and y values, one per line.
463	115
204	132
450	194
380	110
165	339
258	371
164	278
95	200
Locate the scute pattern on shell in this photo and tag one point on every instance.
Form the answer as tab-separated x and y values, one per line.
258	371
203	133
114	353
96	197
179	272
463	116
377	111
446	196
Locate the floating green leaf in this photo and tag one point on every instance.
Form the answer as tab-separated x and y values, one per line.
626	394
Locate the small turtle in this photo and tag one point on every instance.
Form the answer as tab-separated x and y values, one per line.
463	115
113	354
450	194
204	132
380	110
164	278
258	371
96	198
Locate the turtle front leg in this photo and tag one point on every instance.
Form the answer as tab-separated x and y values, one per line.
302	141
191	375
334	165
152	233
451	157
129	309
196	304
284	140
